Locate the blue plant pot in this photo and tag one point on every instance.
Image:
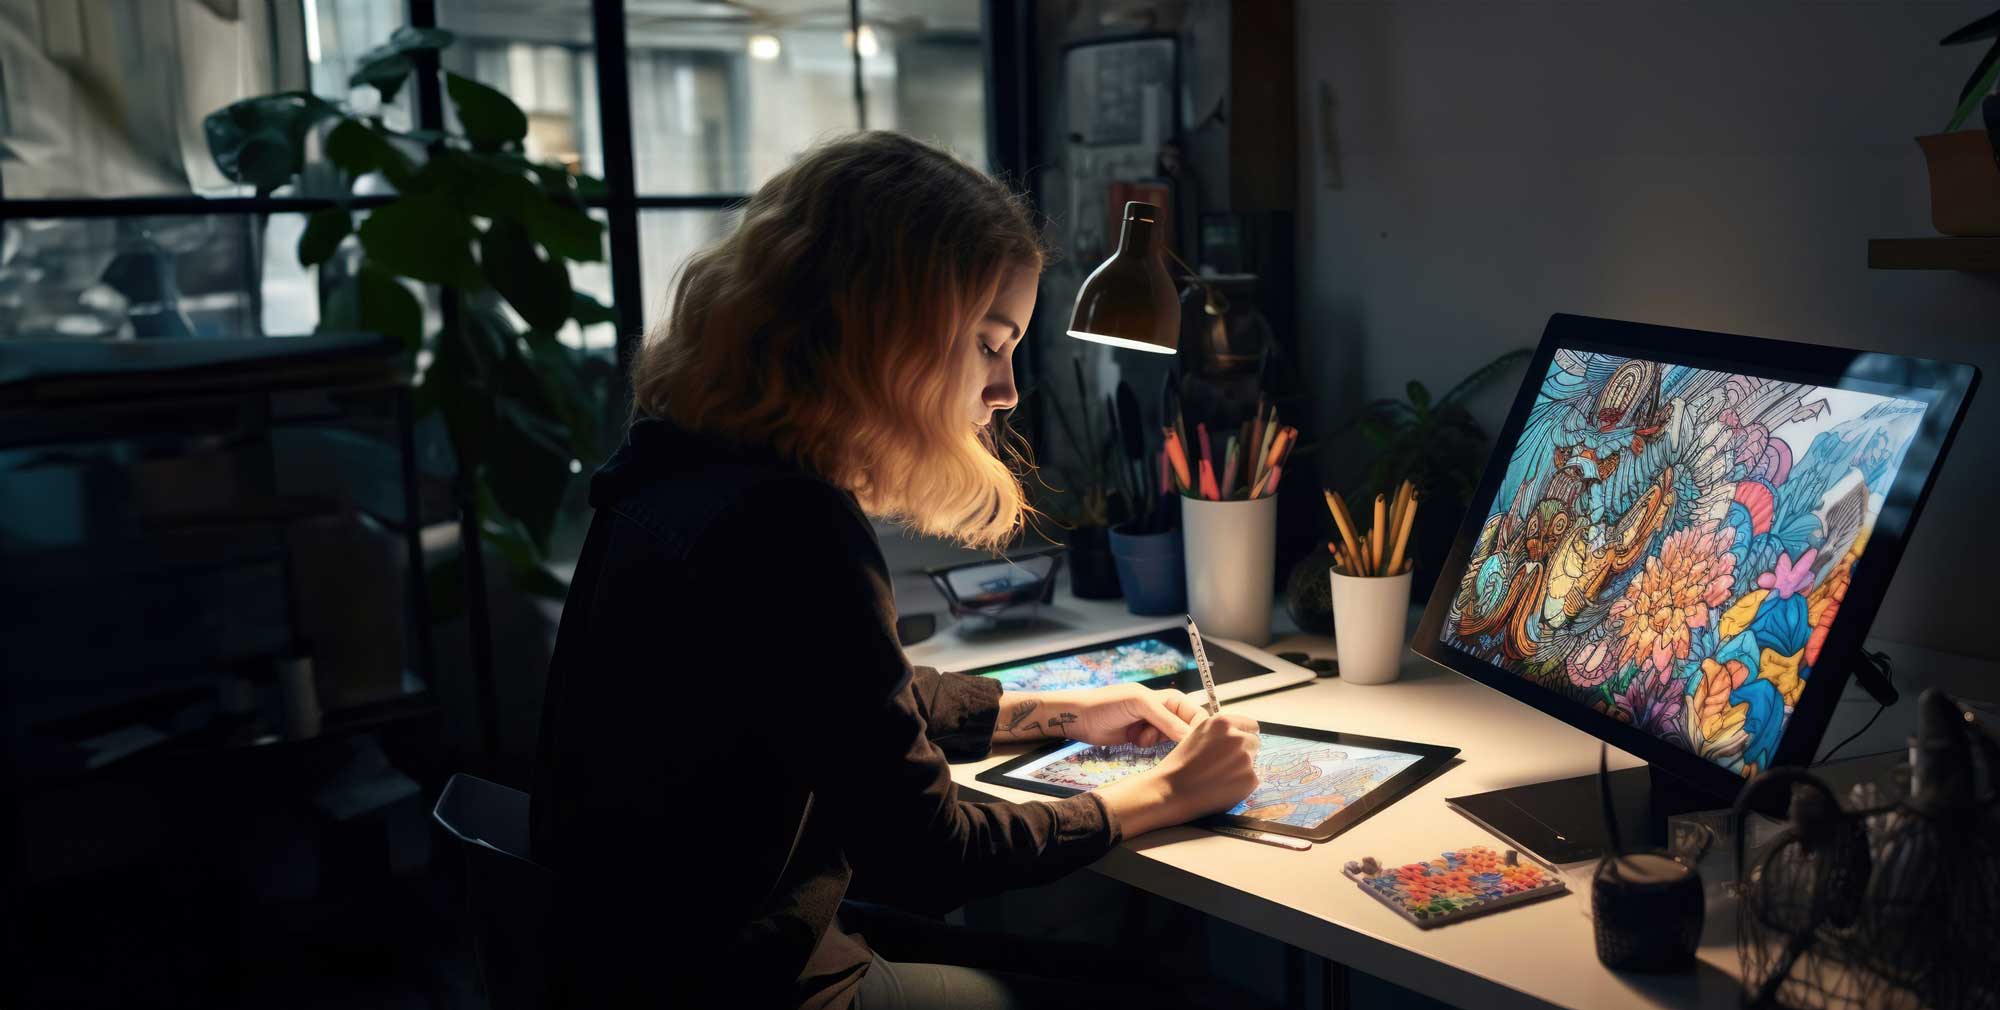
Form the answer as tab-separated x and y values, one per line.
1151	571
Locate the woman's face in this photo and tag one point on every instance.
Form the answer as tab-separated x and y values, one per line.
990	346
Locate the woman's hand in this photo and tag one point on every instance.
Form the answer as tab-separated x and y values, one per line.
1212	769
1121	713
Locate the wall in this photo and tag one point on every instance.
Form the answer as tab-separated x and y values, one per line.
1702	164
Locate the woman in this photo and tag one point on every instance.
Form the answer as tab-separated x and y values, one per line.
732	740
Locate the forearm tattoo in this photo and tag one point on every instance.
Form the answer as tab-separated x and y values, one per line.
1021	721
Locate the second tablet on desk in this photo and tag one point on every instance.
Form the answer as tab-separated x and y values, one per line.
1315	783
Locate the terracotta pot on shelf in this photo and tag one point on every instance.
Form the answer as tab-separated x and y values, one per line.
1965	182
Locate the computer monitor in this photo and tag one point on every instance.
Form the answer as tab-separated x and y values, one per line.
1677	546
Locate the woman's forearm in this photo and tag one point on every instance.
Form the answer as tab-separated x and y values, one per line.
1033	715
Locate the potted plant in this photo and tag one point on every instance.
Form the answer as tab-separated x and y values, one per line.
472	215
1438	446
1965	164
1099	500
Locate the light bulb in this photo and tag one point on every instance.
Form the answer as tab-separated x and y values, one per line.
764	47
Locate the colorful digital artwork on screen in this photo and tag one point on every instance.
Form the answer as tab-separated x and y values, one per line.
1141	660
1303	782
1670	544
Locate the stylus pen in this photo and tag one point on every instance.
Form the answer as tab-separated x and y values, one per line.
1281	841
1201	663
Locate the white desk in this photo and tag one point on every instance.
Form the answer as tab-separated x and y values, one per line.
1539	955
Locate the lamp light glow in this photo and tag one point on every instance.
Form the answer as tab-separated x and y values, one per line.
1130	345
765	47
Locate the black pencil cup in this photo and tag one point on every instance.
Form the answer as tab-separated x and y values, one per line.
1647	908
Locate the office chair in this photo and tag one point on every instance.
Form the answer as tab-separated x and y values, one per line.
509	897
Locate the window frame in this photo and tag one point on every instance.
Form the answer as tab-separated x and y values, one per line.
1007	34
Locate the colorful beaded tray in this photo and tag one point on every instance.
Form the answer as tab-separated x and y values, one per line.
1457	884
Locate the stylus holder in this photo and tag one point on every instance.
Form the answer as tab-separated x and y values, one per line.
1648	911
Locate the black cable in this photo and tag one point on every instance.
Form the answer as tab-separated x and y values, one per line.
1888	674
1879	709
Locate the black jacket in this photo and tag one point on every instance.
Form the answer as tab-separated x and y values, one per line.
732	741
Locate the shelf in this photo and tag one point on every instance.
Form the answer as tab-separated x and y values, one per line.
1937	252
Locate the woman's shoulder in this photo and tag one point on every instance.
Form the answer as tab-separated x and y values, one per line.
739	504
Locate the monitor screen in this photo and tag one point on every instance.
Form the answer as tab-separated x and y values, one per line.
1670	545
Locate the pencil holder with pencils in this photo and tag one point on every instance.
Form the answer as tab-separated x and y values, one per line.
1229	519
1370	585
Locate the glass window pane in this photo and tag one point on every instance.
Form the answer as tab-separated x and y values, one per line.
722	101
105	98
220	275
923	72
666	239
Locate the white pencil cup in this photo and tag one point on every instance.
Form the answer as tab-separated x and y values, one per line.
1369	615
1230	547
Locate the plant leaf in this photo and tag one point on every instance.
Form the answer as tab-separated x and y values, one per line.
491	119
538	289
388	308
325	229
499	195
359	150
407	39
1976	87
425	238
1419	396
531	476
564	231
261	141
591	187
267	161
384	69
1984	28
588	311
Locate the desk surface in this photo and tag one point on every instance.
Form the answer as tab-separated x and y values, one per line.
1538	955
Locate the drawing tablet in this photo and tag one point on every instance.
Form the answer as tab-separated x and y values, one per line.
1315	783
1162	658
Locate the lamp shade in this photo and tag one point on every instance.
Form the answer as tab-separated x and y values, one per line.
1129	301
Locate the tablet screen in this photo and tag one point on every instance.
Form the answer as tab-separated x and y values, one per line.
1136	659
1304	781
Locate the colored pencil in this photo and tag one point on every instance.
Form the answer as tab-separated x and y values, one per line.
1166	478
1376	532
1178	455
1403	535
1209	490
1228	466
1346	524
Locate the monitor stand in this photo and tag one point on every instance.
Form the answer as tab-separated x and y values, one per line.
1562	821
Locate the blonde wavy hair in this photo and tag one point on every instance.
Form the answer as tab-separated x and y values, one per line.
828	326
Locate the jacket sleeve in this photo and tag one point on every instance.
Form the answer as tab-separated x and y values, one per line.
846	712
958	711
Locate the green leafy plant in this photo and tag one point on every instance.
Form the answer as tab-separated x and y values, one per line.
474	216
1435	443
1984	74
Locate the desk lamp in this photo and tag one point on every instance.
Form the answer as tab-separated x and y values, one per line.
1130	301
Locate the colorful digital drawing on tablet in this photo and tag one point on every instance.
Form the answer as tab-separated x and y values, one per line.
1139	659
1315	783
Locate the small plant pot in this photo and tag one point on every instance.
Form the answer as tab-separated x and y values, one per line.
1965	182
1150	571
1093	573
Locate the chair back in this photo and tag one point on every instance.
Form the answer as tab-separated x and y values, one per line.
509	897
